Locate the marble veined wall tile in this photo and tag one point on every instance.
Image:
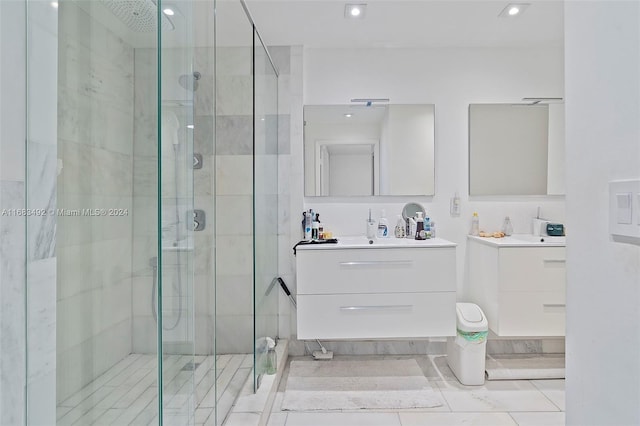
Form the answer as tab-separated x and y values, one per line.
41	310
12	314
234	95
234	135
41	189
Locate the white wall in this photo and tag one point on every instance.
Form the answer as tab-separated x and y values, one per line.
603	288
451	79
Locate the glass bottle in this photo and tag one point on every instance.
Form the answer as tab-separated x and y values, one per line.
507	228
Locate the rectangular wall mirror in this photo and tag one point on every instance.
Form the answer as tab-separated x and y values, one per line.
516	149
357	150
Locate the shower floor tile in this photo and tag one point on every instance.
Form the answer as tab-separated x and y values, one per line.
127	394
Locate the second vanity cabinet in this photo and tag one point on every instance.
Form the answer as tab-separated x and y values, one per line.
521	287
396	289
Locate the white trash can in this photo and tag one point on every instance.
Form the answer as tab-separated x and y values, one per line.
466	352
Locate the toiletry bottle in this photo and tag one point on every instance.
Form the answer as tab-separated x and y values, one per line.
427	227
412	228
320	230
383	226
271	361
420	234
433	229
475	224
315	227
507	228
304	223
307	225
400	230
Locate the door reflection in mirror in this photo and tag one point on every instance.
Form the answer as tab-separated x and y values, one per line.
355	150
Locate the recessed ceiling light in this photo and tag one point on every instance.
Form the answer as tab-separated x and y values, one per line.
190	126
348	115
513	9
168	11
355	11
54	4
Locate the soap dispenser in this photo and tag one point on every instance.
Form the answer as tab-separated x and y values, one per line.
383	226
400	228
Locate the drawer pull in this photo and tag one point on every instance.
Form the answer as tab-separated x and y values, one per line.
376	307
554	261
554	307
384	263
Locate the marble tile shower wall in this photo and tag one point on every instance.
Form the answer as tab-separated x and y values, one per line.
95	145
197	294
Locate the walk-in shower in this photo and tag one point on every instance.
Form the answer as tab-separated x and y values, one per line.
164	184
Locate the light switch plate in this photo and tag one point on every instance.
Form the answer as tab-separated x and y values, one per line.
624	210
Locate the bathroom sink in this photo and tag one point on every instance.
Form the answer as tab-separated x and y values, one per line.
539	238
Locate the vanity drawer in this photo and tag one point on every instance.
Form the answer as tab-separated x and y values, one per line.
376	270
531	314
532	269
376	316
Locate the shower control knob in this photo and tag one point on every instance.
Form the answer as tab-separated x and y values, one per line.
197	161
199	219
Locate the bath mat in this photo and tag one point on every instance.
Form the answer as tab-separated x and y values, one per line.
352	385
525	367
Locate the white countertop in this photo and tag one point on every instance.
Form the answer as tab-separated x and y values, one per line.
521	240
349	242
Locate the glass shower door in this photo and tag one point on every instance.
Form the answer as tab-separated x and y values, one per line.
265	206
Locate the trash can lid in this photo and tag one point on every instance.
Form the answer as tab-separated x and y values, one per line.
470	317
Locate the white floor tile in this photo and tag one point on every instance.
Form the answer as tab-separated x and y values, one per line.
539	419
455	419
242	419
342	419
277	402
516	395
277	419
552	389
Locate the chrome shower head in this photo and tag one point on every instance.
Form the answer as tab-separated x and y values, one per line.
190	81
139	15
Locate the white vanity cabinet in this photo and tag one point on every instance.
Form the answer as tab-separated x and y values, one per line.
396	289
521	287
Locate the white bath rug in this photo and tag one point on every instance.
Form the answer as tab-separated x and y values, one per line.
352	385
525	367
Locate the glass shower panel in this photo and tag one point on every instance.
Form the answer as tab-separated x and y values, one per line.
40	202
106	358
265	202
186	210
233	203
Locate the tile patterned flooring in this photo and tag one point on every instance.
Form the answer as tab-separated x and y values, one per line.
496	403
127	394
